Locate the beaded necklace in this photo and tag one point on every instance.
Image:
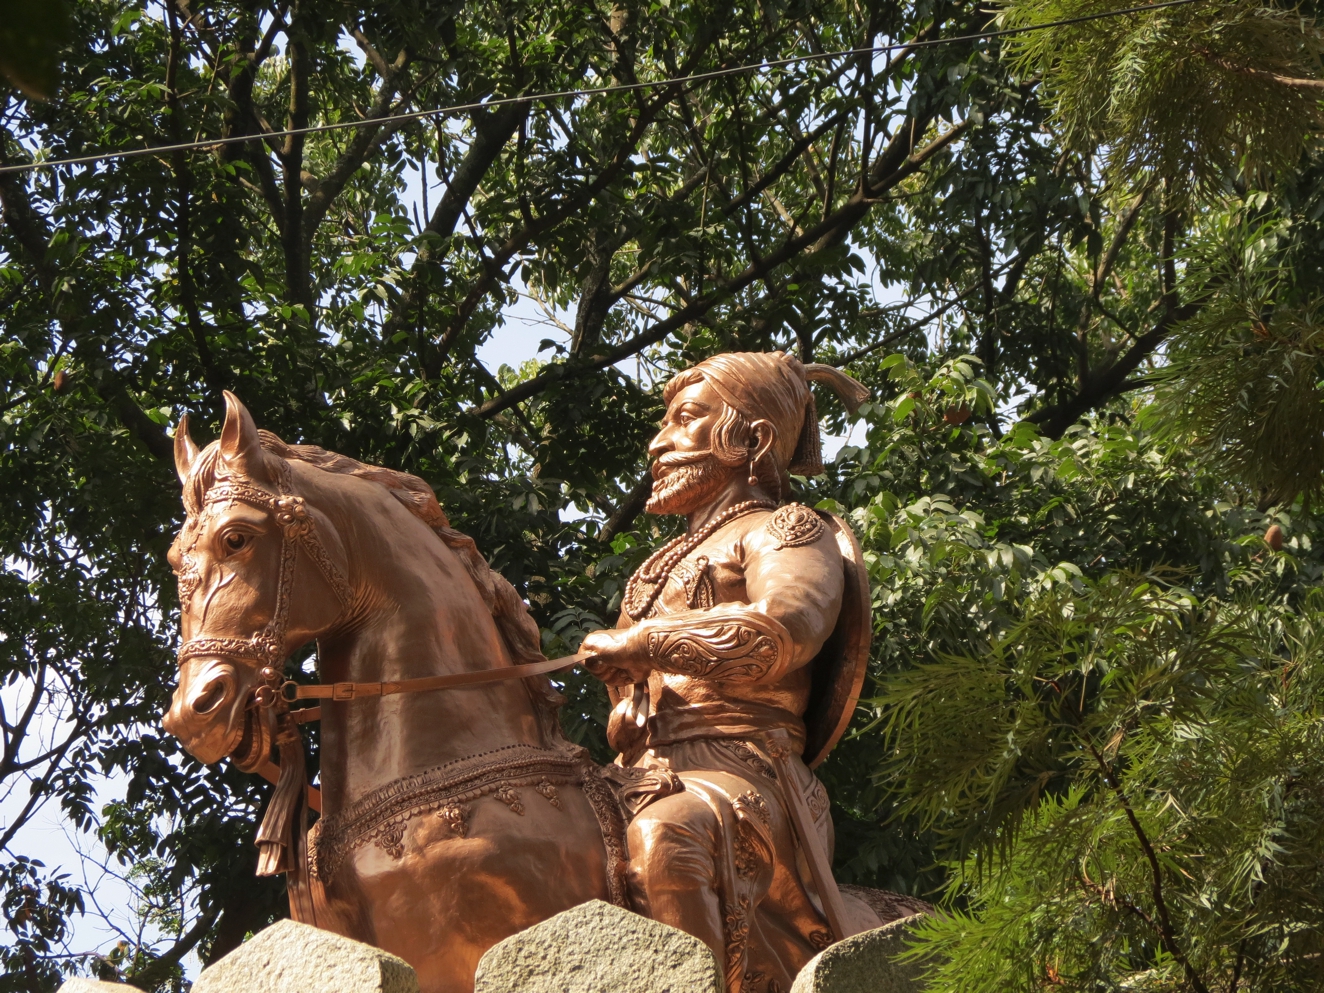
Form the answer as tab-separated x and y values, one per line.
645	586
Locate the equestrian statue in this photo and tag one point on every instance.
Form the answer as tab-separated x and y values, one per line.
452	812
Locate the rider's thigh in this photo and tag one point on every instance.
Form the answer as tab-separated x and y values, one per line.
680	828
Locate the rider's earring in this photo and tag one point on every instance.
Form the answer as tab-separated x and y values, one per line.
753	478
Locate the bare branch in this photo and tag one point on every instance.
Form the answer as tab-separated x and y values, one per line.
1163	925
155	972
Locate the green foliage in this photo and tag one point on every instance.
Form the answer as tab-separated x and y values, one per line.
1242	384
1134	781
36	911
1026	612
1138	86
303	277
1246	393
924	222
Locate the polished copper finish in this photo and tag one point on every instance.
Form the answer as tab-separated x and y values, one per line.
451	819
731	638
454	813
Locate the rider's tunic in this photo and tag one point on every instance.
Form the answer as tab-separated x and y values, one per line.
729	639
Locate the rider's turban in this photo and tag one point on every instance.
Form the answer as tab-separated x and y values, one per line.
774	386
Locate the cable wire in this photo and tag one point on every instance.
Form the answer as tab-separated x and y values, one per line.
460	108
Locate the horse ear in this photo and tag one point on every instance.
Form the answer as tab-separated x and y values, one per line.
240	447
185	450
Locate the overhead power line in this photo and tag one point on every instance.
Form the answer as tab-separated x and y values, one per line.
528	98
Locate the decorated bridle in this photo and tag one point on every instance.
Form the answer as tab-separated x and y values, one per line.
282	835
268	714
266	647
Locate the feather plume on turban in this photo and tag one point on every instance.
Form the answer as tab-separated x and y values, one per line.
774	386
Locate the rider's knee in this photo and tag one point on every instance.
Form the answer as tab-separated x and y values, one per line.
680	821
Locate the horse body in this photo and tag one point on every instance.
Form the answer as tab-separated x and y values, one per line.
450	819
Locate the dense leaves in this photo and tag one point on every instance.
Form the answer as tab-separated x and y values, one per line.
1138	781
977	238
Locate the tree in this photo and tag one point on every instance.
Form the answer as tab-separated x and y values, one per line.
886	213
1139	799
1116	759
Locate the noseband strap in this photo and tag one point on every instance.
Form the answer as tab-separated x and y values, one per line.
267	647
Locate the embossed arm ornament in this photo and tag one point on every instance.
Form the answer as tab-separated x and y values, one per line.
739	643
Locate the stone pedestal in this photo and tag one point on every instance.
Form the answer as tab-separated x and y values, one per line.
296	958
865	963
80	985
595	948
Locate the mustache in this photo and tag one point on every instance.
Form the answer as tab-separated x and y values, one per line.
674	460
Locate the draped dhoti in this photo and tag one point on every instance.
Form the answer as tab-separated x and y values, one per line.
720	859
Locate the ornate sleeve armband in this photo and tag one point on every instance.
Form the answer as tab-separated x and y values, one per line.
743	645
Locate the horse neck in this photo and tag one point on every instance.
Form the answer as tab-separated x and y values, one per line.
419	614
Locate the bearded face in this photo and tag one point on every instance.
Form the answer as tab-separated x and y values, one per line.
705	446
686	481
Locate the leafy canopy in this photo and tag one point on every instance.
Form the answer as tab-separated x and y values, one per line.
1007	246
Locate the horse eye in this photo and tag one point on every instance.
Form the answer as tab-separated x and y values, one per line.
235	540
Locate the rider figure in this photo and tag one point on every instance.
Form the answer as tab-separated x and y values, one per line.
718	639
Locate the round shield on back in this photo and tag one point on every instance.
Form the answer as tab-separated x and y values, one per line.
840	666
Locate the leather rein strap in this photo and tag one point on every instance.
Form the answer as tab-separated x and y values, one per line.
293	691
282	835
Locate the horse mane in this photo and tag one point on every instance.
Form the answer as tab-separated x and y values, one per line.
509	611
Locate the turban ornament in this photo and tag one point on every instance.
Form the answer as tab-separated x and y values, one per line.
774	386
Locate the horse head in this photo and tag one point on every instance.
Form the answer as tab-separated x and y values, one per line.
248	597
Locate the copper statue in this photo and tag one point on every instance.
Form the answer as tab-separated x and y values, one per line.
450	820
730	638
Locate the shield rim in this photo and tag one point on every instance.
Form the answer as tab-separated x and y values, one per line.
841	664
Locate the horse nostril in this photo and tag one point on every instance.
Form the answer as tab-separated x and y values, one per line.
212	697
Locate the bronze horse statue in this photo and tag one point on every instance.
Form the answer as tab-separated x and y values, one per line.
450	820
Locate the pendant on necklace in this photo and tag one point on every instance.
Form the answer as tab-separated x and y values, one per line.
640	595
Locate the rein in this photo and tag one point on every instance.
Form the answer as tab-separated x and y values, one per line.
282	835
291	691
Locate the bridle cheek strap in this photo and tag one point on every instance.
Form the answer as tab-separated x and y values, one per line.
267	647
282	835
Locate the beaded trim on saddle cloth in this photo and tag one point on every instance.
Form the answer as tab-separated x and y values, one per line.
382	815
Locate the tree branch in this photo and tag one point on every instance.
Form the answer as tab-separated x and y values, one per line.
19	731
1105	266
821	235
1100	386
631	507
183	171
1295	82
33	233
363	143
37	795
241	117
158	970
298	275
1167	933
909	329
1103	385
492	129
526	233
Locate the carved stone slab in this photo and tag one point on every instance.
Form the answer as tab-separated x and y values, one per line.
296	958
80	985
597	947
865	963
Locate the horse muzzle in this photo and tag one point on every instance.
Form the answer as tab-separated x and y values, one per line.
207	710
